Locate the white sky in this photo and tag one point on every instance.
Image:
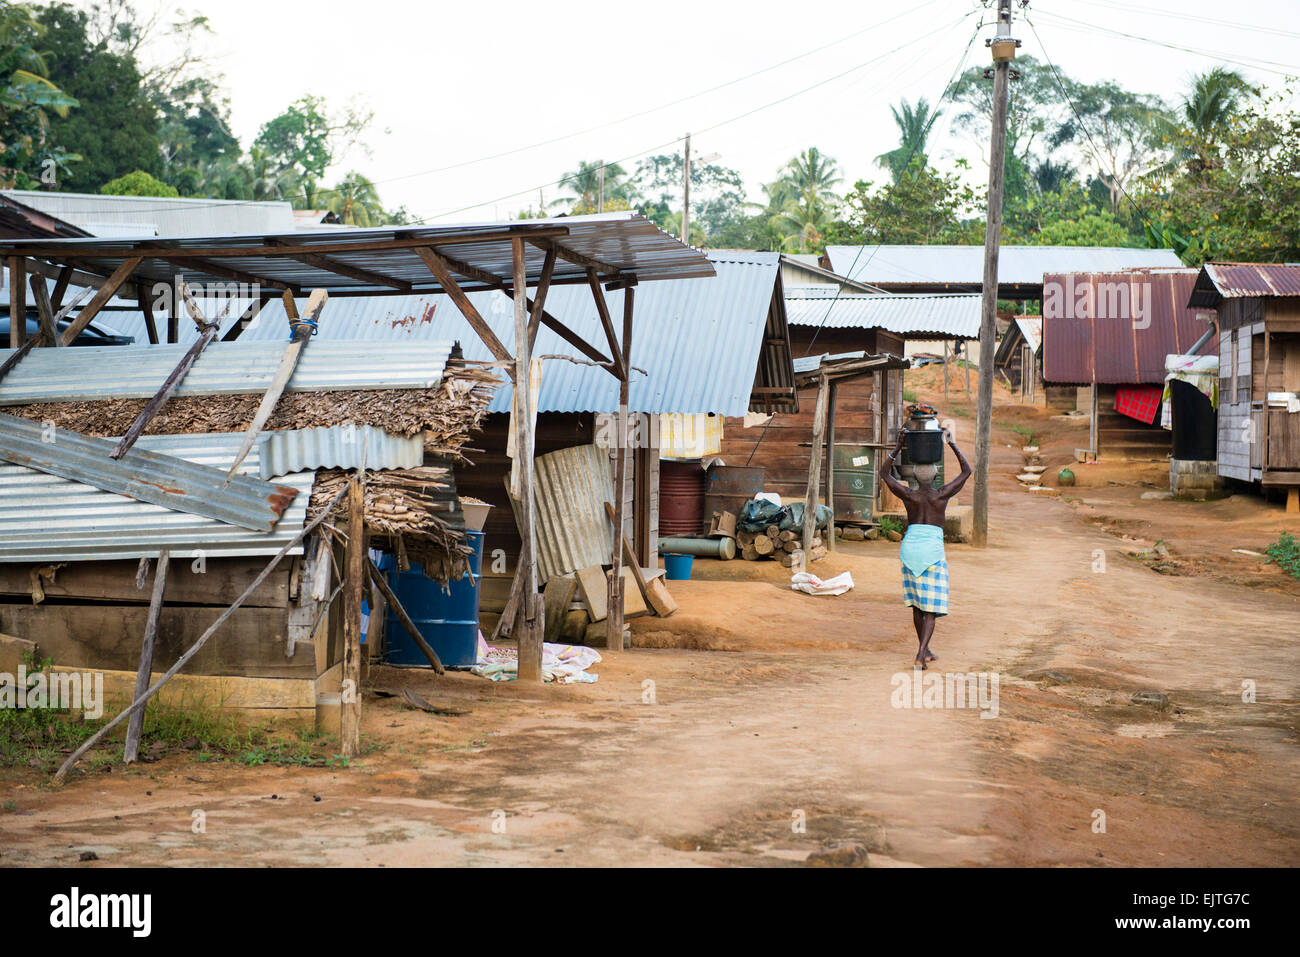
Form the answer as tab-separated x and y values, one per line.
453	82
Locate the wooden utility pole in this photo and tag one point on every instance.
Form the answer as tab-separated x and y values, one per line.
354	579
1004	51
686	194
528	625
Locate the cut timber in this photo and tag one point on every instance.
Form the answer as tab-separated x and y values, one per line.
135	724
220	583
786	537
773	532
764	545
653	591
557	597
750	554
354	580
592	585
199	692
634	605
792	559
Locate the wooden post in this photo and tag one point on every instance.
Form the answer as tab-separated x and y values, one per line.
44	311
136	723
1003	52
815	466
354	571
146	307
966	353
528	622
614	623
947	353
830	467
1094	406
17	301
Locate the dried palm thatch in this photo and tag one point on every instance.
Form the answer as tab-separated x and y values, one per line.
446	414
412	512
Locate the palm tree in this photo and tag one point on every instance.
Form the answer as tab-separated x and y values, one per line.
806	178
584	184
1049	177
1213	98
914	126
355	201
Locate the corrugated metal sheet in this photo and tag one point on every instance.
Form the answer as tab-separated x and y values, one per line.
164	480
1117	346
1031	327
44	518
698	339
950	316
573	532
142	216
964	265
340	447
623	240
224	368
1219	281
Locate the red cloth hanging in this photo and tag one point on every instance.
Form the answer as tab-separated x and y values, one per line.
1141	402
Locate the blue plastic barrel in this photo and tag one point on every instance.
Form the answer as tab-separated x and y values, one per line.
447	619
678	567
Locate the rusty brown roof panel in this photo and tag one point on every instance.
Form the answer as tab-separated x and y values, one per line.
1117	328
1218	281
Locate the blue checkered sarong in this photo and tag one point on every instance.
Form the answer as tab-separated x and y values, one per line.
927	591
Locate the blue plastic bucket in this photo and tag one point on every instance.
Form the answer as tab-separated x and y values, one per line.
678	566
447	619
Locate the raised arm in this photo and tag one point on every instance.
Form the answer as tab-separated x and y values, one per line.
900	489
955	486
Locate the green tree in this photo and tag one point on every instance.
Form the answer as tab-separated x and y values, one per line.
802	202
355	201
923	206
914	126
115	128
583	185
138	183
27	98
717	195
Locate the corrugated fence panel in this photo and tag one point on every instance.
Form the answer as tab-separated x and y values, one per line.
573	531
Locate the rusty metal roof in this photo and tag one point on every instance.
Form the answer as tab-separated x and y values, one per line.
1117	327
1219	281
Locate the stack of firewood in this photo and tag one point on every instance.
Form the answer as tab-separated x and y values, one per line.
785	547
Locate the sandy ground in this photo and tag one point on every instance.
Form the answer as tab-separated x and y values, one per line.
764	727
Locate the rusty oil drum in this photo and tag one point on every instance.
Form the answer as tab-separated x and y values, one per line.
681	499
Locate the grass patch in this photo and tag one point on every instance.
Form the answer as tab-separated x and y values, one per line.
1025	432
909	395
1285	553
890	524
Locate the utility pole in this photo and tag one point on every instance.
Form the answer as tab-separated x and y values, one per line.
686	194
600	195
1003	47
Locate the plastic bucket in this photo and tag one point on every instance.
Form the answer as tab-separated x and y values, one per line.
678	567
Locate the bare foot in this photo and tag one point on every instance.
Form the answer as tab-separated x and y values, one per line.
931	656
918	663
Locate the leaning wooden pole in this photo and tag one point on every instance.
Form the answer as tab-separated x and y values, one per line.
615	598
354	579
136	724
400	611
194	649
815	466
528	630
1004	51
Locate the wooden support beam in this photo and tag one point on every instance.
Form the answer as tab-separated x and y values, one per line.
354	578
394	603
60	287
829	538
815	466
614	624
225	272
343	269
302	333
442	272
105	293
17	301
245	320
44	312
538	305
529	620
586	262
602	308
136	724
146	307
165	392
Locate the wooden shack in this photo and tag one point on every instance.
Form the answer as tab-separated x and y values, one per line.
1258	309
1018	361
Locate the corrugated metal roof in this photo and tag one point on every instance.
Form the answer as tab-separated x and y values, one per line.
1031	327
340	447
573	532
224	368
147	216
964	265
951	316
1110	342
44	518
698	339
384	260
1219	281
164	480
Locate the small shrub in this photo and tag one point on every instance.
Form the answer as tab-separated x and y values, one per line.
1285	553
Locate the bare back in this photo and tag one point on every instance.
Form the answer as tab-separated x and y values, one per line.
925	506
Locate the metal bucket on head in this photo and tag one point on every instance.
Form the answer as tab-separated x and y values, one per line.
924	439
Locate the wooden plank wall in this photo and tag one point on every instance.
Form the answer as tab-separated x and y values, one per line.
1233	445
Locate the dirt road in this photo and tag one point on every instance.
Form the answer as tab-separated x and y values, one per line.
770	730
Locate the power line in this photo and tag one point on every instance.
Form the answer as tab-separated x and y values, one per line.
715	126
1195	17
